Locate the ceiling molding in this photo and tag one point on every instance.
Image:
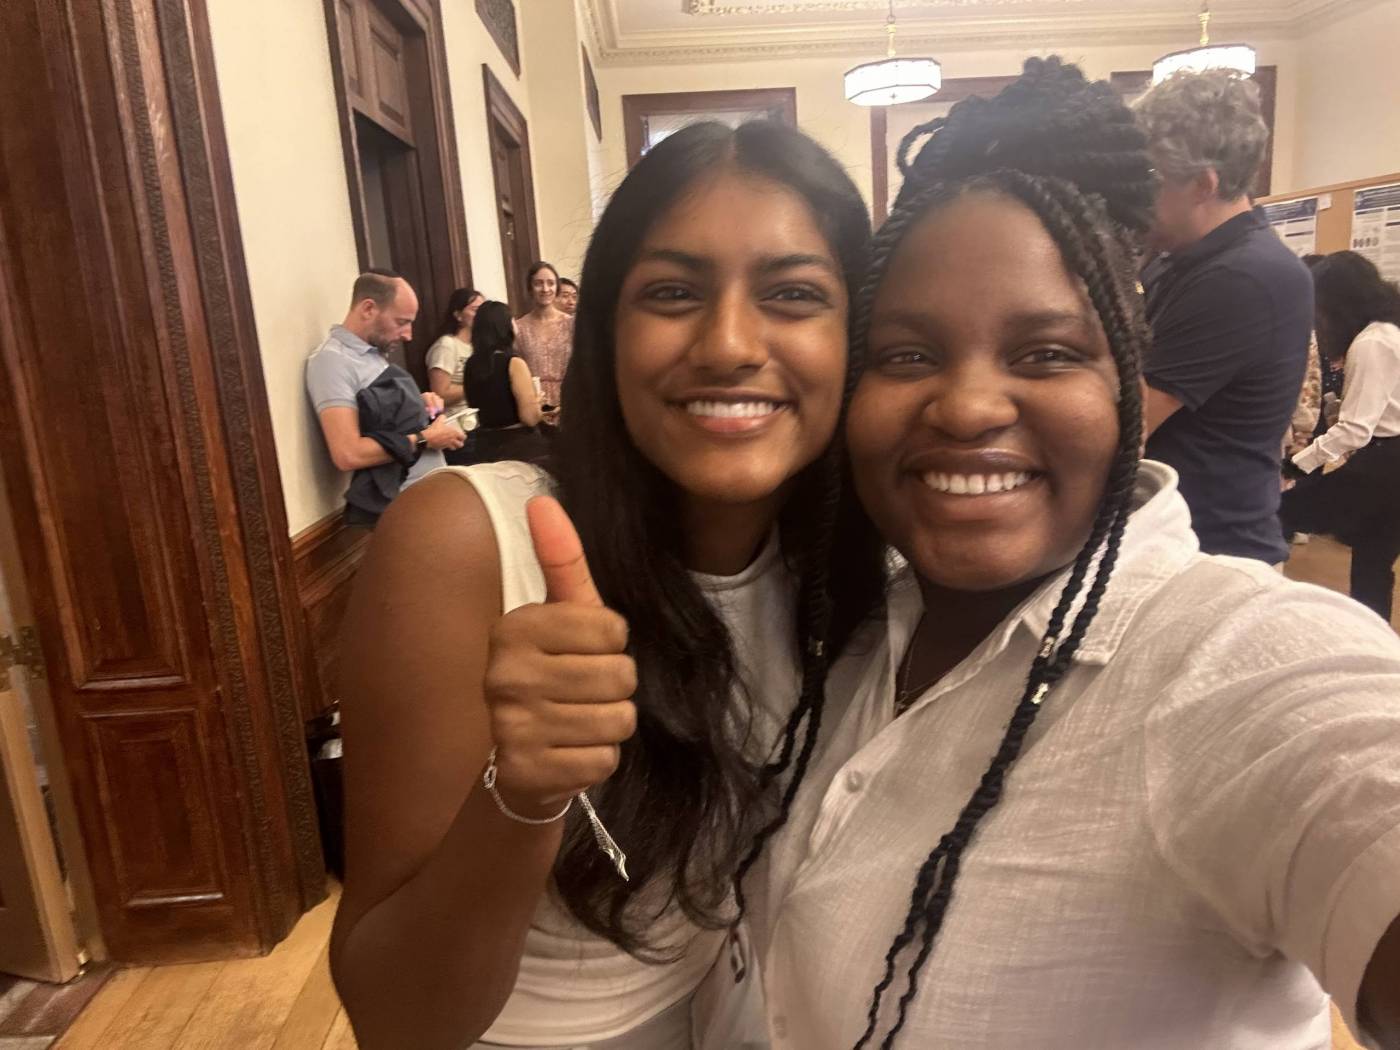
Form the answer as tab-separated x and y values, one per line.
961	25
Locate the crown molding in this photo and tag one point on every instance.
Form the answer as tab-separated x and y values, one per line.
968	25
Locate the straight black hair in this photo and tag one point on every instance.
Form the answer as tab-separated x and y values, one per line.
686	800
493	342
459	300
1350	294
1070	151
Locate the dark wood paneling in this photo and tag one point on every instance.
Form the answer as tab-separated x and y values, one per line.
782	102
153	535
879	168
148	766
388	76
403	89
327	555
591	96
499	18
512	170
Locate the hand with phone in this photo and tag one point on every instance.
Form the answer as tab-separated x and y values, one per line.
443	433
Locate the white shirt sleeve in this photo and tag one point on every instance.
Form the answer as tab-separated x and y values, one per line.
1372	375
1274	786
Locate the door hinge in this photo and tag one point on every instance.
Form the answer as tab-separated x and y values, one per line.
20	650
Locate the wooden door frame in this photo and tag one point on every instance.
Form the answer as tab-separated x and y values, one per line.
159	56
636	108
447	247
502	110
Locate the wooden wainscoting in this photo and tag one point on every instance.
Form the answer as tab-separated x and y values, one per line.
326	556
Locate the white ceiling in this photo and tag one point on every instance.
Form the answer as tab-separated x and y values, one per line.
648	31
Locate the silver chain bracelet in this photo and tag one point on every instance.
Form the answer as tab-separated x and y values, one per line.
606	842
488	781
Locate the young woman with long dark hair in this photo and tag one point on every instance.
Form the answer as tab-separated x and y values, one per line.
500	388
507	737
1348	479
1095	788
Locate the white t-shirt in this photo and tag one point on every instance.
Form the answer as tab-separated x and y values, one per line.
1201	834
449	354
574	987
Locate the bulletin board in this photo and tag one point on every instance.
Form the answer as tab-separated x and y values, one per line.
1336	205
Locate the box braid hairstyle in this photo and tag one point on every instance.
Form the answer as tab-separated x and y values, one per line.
1070	151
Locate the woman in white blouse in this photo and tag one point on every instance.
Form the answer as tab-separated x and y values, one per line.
1348	480
1089	787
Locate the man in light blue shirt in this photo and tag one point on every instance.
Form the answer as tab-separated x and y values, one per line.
382	310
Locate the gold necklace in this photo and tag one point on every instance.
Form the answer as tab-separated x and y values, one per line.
904	695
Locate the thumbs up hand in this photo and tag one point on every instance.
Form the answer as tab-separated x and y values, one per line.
558	681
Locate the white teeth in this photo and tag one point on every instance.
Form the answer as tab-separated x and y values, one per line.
975	484
731	409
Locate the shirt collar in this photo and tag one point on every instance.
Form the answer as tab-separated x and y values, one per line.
1220	238
1157	543
351	341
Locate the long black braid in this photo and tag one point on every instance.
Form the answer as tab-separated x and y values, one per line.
1070	151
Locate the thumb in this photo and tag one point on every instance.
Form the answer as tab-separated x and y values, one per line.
560	553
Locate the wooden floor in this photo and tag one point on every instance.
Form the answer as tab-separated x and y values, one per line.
286	1002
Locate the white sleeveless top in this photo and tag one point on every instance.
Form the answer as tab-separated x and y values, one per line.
573	986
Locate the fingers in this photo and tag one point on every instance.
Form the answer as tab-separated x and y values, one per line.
560	554
542	727
560	628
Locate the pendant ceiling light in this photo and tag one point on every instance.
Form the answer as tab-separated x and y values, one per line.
1239	57
893	80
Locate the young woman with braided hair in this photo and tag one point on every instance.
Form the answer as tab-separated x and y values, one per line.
1093	788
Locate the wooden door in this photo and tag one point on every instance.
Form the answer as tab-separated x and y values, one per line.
135	449
37	938
515	192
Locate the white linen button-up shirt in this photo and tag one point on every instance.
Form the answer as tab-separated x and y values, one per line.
1370	398
1200	836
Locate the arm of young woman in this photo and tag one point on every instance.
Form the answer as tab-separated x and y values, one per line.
440	381
440	885
527	402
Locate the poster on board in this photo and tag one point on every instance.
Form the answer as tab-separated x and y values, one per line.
1375	227
1295	222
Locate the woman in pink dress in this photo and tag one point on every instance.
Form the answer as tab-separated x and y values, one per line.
545	335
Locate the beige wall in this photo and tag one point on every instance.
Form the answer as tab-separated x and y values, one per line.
273	64
1348	102
274	73
560	123
843	128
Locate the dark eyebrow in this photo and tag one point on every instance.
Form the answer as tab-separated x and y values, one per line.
672	255
1021	321
768	265
777	263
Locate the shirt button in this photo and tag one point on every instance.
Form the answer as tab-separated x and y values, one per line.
855	780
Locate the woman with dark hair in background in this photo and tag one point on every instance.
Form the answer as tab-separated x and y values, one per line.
568	296
550	783
1095	788
546	334
500	388
450	350
1348	479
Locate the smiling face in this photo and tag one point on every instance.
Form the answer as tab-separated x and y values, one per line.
567	298
983	429
544	286
731	340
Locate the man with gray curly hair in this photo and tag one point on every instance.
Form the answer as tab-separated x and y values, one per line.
1231	314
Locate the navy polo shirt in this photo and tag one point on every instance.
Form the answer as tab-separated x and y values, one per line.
1231	319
